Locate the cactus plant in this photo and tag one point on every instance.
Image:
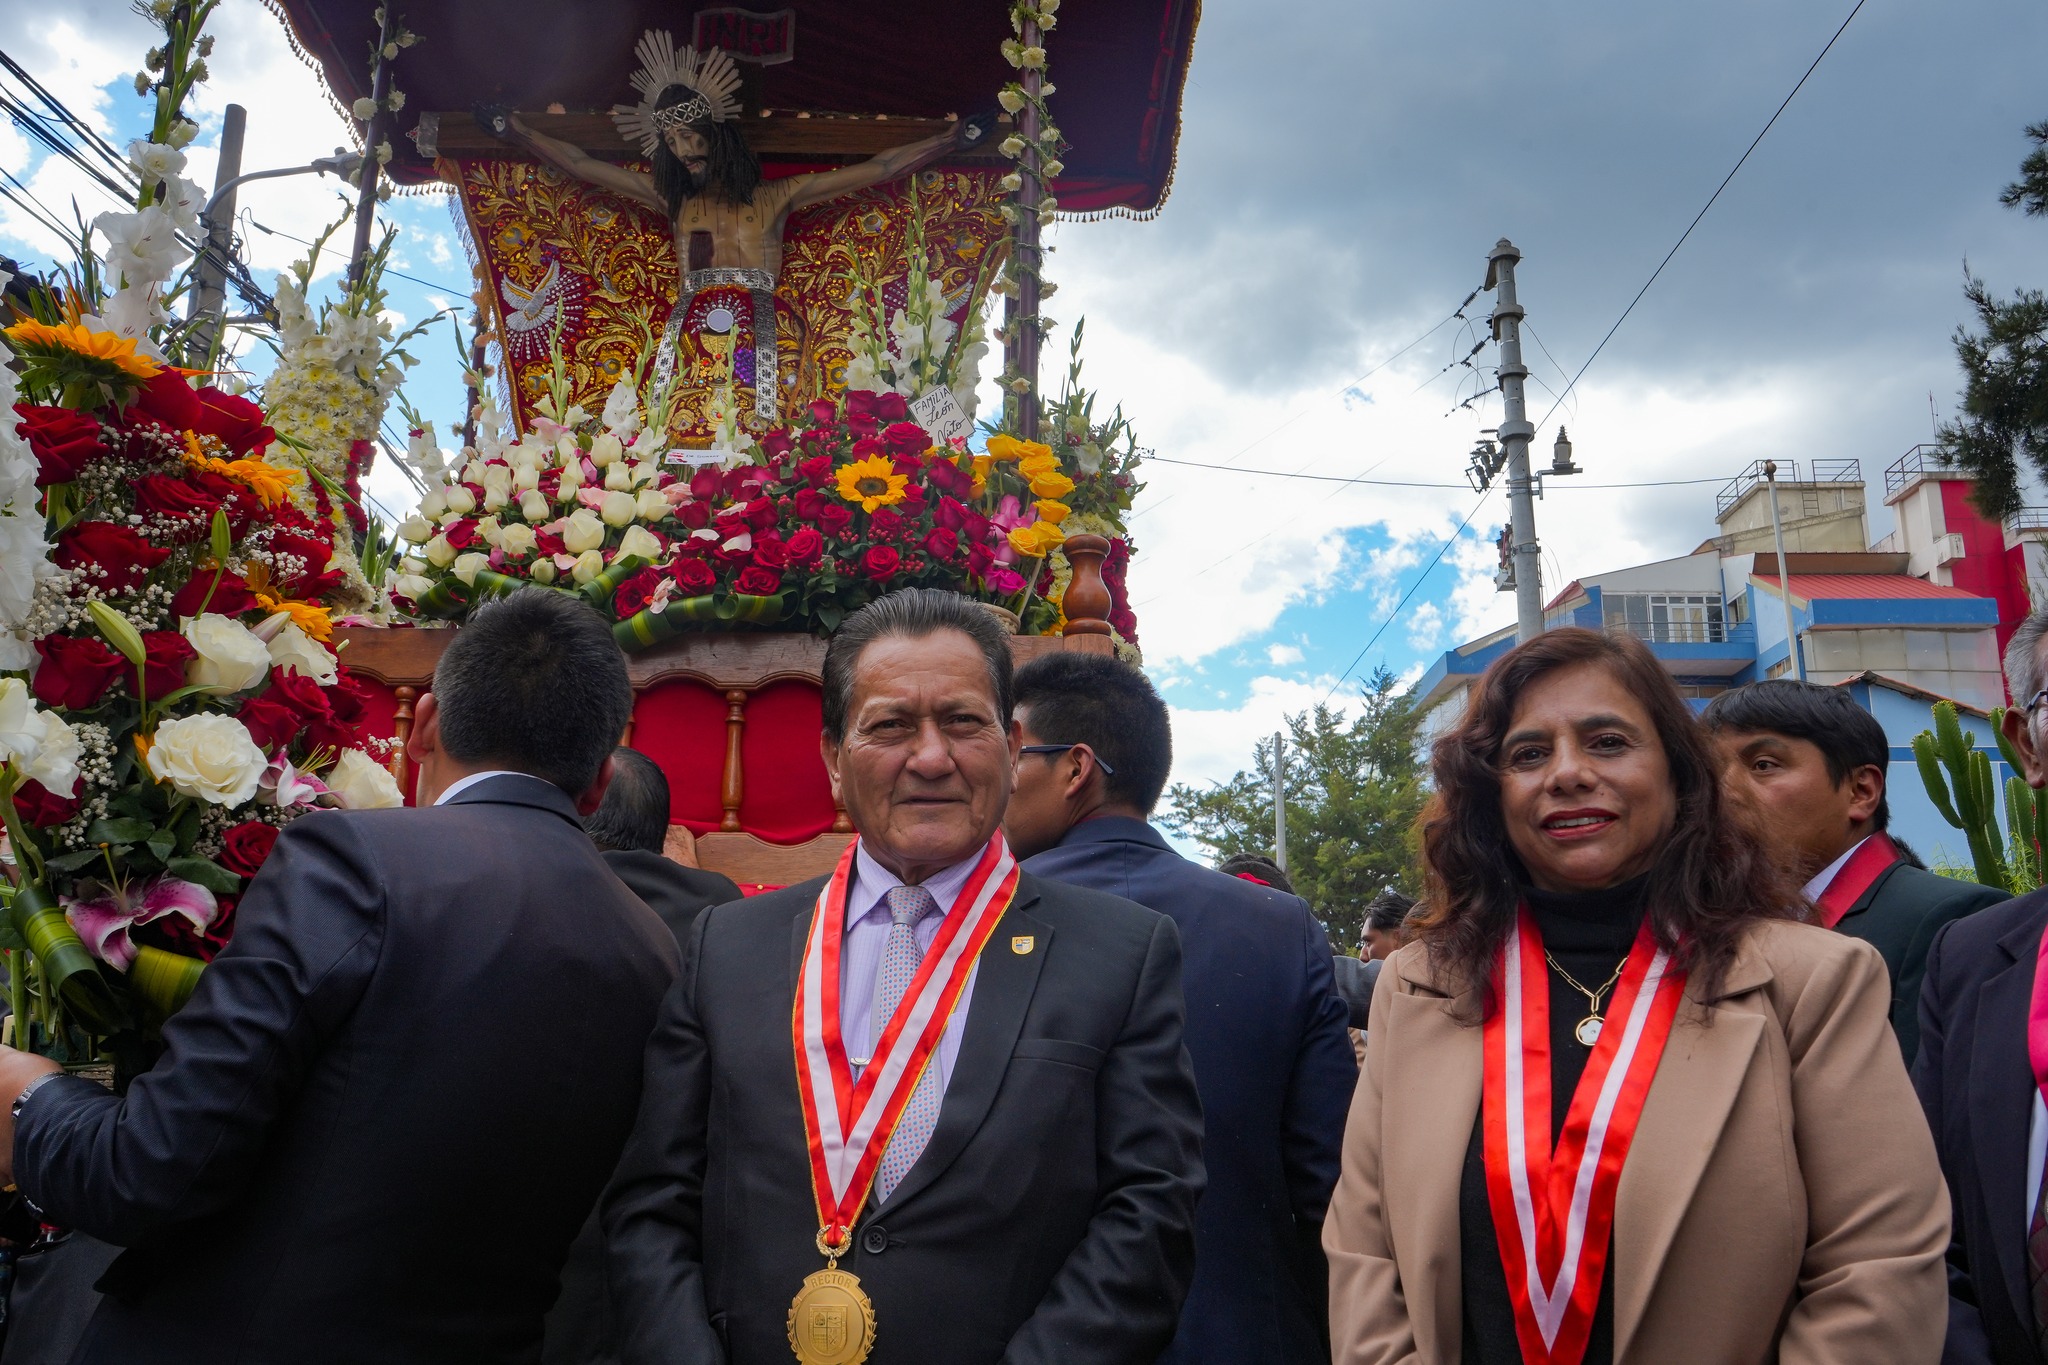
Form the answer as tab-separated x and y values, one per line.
2026	817
1958	778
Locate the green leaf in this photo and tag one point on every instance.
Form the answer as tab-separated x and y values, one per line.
118	831
204	872
163	843
73	861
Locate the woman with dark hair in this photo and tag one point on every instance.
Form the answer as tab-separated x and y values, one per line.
1639	1112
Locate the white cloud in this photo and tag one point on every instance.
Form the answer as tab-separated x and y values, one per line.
1210	744
1280	656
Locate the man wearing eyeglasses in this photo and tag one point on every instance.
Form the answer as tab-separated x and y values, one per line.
1265	1026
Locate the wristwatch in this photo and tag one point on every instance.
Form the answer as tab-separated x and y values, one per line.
28	1090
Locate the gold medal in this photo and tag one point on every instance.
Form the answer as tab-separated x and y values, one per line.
831	1321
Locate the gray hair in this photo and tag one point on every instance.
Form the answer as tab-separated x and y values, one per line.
534	682
914	613
2023	657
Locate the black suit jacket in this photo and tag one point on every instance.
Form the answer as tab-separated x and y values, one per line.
1050	1218
386	1109
1977	1086
581	1327
1899	916
1267	1034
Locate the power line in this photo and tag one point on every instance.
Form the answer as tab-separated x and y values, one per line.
1406	483
1427	569
1782	104
428	284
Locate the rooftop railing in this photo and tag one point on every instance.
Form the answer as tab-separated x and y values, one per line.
1822	471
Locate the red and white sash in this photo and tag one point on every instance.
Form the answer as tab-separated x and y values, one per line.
1855	876
1553	1211
2037	1020
847	1123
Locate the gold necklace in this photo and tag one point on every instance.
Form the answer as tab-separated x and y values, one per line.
1587	1031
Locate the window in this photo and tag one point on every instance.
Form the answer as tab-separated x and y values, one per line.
1667	618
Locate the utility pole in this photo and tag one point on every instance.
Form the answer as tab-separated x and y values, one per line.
1280	799
1784	573
1515	433
210	284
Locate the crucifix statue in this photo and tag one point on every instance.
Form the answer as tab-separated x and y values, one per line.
728	221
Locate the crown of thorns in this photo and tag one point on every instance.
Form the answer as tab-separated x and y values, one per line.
711	78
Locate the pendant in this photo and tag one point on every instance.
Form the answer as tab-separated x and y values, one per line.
1588	1031
831	1321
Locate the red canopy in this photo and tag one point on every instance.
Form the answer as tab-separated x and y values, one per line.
1118	65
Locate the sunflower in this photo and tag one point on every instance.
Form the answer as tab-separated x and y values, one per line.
76	360
872	483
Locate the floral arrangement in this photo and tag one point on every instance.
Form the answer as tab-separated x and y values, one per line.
918	348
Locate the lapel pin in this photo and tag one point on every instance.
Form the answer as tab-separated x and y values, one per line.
1023	945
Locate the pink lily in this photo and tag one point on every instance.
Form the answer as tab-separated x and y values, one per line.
104	920
284	785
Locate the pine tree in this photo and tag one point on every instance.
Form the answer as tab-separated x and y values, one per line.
2005	367
1353	794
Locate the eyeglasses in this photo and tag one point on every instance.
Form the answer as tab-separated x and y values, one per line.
1107	771
2031	706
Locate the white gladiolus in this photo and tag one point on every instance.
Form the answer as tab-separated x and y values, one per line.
622	410
40	743
362	783
297	652
619	508
154	161
582	531
228	658
207	757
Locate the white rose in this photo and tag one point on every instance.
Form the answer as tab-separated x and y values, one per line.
434	504
416	529
440	553
651	505
516	540
525	476
605	450
489	529
644	473
619	508
207	757
542	572
461	502
567	452
618	478
362	782
465	566
229	657
294	651
583	531
413	564
572	479
589	565
533	506
638	540
411	586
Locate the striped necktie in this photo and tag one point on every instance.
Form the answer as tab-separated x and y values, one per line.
900	959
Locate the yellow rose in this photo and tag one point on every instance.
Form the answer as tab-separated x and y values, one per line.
1052	485
1054	512
1031	466
1025	542
1005	448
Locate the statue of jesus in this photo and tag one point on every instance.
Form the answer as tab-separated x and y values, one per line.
728	221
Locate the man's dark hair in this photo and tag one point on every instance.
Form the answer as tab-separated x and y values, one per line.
634	814
731	170
1387	911
1828	718
534	682
1260	866
1111	707
914	613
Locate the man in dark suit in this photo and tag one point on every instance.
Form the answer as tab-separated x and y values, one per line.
1813	763
630	829
395	1096
1266	1028
1026	1193
1978	1083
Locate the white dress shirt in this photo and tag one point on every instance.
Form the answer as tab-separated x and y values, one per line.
1827	875
860	958
463	784
2037	1152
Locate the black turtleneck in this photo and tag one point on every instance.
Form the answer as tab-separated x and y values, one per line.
1589	933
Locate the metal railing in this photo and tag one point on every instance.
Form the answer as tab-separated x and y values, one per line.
1689	632
2027	519
1923	459
1823	471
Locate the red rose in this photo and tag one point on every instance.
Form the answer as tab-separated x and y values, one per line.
164	656
806	503
824	412
122	555
695	515
891	407
41	807
460	533
881	562
236	422
341	726
243	847
980	559
75	672
177	500
755	581
869	447
548	544
906	438
706	484
169	401
636	592
948	477
777	443
231	598
761	514
942	543
289	705
770	553
884	524
835	517
861	416
64	441
805	548
694	577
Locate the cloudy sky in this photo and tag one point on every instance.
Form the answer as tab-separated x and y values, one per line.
1342	175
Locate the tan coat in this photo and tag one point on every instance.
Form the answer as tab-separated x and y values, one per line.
1781	1201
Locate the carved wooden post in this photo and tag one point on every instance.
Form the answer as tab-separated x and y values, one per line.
734	786
401	727
1087	601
